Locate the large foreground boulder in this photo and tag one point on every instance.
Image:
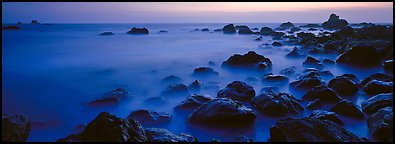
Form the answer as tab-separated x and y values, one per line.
277	104
222	111
310	130
163	135
14	128
250	60
323	93
380	124
343	85
109	128
377	102
360	56
237	90
135	30
347	108
334	22
377	87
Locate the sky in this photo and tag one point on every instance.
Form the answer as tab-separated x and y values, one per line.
195	12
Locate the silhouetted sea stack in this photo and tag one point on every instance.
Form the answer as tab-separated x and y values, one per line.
229	29
334	22
135	30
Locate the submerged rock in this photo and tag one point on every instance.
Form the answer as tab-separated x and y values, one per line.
310	61
343	85
193	101
325	115
334	22
276	44
310	130
229	29
109	128
323	93
107	33
155	101
380	124
163	135
150	118
205	29
377	102
14	128
171	79
222	111
347	108
135	30
377	87
288	71
112	98
276	79
11	28
195	85
360	56
249	60
307	81
277	104
205	71
237	90
176	87
296	53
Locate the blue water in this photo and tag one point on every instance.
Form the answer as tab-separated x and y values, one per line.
51	71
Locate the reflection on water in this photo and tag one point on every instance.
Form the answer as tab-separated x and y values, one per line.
50	72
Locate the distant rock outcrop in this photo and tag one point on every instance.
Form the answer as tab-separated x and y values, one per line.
135	30
229	29
334	22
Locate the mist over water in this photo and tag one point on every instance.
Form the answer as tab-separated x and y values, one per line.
50	72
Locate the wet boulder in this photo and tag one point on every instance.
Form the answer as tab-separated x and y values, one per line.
289	71
11	28
304	35
277	104
307	81
237	90
229	29
14	128
377	102
276	44
192	102
360	56
249	60
296	53
310	130
380	124
245	30
312	62
163	135
334	22
112	98
205	71
135	30
389	66
343	85
109	128
276	79
150	118
347	108
323	93
106	33
266	31
377	87
378	77
222	111
325	115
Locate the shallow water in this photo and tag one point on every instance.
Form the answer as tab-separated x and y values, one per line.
50	72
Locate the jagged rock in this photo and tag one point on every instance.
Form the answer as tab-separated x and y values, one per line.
237	90
193	101
249	60
277	104
150	118
229	29
163	135
135	30
310	130
377	87
325	115
375	32
343	85
377	102
14	128
334	22
323	93
347	108
380	124
222	111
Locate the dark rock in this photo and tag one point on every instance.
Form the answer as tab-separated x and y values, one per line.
377	87
171	79
307	70
351	77
375	32
316	104
245	30
325	115
249	60
307	81
14	128
328	62
19	23
363	24
266	31
310	61
222	111
107	33
347	108
377	102
215	140
276	44
295	29
34	22
270	89
343	85
135	30
288	71
276	79
377	76
360	56
334	22
205	29
287	25
204	71
112	98
237	90
193	101
11	28
309	42
150	118
326	74
239	27
344	32
195	85
296	53
389	66
176	87
109	128
310	130
277	104
229	29
311	25
323	93
304	35
380	124
163	135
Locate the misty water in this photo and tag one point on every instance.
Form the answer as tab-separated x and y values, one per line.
50	73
